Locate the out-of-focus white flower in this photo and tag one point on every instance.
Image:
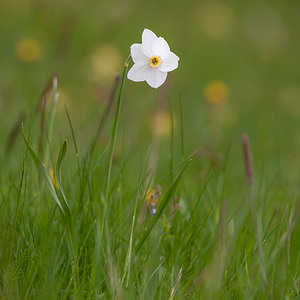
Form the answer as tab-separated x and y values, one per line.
152	60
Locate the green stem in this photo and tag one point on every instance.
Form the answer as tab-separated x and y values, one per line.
105	114
115	128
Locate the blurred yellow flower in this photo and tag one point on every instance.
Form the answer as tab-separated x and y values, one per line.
28	50
103	63
153	198
216	92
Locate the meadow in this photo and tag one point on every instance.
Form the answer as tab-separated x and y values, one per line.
112	189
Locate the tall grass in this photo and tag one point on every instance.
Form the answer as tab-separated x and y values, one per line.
75	226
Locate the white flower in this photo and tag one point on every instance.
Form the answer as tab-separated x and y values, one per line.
152	60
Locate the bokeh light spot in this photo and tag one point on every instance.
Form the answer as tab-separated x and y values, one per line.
28	50
216	92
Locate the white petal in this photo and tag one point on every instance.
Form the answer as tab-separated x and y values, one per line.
138	72
137	53
149	38
169	62
160	47
155	78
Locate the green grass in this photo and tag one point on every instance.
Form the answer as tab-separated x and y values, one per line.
74	235
76	166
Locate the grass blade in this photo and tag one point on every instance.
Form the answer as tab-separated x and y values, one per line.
115	128
129	253
169	195
75	144
42	169
68	213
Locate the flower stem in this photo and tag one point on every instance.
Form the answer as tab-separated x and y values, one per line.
115	128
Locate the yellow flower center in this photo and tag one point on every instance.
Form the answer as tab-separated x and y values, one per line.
155	62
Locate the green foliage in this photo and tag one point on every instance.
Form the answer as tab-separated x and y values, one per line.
76	178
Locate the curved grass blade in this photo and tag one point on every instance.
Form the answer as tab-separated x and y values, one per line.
61	156
68	215
41	168
115	128
75	145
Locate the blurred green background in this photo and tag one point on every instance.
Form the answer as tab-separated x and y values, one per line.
239	72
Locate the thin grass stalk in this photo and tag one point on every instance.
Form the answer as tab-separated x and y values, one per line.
175	287
75	146
41	107
288	246
18	201
105	114
181	140
127	265
171	147
19	197
284	240
14	133
249	174
115	128
105	201
75	266
42	124
181	127
223	246
158	126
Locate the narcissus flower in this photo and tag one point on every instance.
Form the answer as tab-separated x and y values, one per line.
152	60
